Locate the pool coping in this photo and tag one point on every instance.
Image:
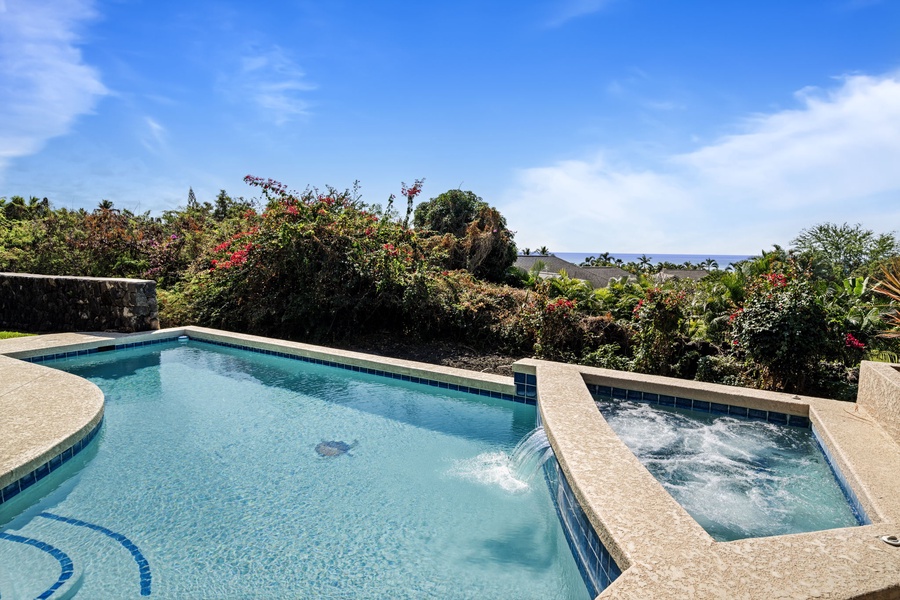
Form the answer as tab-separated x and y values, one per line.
44	414
640	524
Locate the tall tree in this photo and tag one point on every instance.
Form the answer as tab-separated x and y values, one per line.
844	248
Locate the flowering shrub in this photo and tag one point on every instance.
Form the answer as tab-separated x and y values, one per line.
313	265
783	330
560	303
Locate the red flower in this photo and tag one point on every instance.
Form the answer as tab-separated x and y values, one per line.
776	279
850	341
559	303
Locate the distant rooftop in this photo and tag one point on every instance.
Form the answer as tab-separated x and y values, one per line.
596	276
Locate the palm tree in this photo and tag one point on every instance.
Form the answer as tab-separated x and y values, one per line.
644	262
709	265
544	251
526	251
890	287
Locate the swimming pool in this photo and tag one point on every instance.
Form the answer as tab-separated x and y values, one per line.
204	481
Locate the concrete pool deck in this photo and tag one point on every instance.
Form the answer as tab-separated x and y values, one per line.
661	550
43	413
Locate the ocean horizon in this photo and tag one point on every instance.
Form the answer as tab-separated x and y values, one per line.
723	260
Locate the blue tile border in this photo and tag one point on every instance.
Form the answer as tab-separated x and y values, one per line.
67	567
779	418
23	483
526	387
597	567
858	511
522	399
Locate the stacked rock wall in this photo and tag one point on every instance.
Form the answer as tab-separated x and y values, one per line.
42	303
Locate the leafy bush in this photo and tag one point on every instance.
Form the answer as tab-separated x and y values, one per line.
783	330
464	232
607	356
660	321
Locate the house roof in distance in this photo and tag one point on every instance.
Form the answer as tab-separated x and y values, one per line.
597	276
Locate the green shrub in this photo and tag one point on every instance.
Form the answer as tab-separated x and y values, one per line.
783	330
660	320
607	356
464	232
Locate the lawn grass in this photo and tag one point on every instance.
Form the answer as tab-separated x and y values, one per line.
4	335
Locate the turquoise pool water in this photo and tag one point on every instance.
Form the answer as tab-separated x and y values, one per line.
204	482
737	478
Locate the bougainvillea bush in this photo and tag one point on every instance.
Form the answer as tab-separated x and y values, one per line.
311	265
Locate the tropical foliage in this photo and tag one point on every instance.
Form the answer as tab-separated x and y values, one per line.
321	265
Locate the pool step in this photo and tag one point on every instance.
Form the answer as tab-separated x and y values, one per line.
53	553
60	576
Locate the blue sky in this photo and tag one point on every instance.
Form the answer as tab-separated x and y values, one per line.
593	125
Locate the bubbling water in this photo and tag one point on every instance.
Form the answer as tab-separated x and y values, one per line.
737	478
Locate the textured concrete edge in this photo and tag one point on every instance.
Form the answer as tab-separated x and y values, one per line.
879	383
67	431
76	278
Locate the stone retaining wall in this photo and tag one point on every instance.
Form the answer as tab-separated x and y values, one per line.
41	303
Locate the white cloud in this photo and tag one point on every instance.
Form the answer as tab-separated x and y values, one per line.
273	81
153	135
833	158
44	83
573	9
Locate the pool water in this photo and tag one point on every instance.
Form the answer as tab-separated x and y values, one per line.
204	482
737	478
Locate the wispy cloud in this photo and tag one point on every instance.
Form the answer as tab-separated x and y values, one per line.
273	81
44	83
834	157
573	9
153	135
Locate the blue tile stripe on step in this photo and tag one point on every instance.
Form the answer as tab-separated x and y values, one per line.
23	483
143	565
67	568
